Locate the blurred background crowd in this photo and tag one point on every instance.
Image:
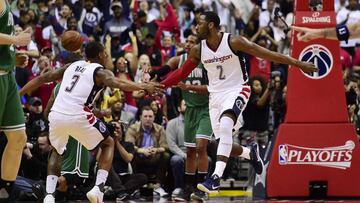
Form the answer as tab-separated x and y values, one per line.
143	34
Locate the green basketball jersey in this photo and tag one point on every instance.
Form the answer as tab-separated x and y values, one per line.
197	77
76	157
7	52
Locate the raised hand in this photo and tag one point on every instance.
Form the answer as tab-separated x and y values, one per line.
145	77
146	68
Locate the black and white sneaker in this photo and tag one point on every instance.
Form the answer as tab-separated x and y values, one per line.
38	190
211	185
120	196
199	196
255	159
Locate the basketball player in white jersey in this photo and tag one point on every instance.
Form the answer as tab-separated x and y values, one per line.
229	92
71	114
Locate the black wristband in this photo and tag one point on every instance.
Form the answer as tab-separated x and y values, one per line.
342	33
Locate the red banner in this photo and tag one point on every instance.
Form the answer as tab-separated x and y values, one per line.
307	152
316	141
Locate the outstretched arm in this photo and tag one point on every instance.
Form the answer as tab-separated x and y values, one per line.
106	77
244	45
50	76
306	34
190	64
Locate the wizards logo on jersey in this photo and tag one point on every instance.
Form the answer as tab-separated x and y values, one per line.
321	57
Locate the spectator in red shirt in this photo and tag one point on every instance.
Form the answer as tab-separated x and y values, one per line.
168	23
258	66
45	90
346	63
168	48
30	50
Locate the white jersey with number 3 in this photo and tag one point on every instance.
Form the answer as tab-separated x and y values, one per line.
78	88
226	69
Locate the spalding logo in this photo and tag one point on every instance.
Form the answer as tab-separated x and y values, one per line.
321	57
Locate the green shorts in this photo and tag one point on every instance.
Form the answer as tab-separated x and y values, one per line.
11	112
197	125
75	159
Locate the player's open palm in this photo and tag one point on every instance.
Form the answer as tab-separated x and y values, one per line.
308	67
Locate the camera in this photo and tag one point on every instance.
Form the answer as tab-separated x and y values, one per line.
274	74
316	5
112	126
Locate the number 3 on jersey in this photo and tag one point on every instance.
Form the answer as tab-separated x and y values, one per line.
221	74
74	81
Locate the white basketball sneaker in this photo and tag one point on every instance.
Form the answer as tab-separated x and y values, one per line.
95	195
49	198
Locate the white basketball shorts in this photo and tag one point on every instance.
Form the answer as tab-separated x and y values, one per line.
85	128
234	101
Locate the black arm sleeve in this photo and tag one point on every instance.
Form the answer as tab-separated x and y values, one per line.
161	72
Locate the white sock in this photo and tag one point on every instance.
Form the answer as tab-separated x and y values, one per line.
219	168
51	181
101	176
245	153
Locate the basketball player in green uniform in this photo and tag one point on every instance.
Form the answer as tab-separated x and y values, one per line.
197	126
11	114
197	121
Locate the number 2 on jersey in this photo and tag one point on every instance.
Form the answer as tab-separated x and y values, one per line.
221	75
75	79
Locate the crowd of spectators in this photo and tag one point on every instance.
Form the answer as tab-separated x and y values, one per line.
139	34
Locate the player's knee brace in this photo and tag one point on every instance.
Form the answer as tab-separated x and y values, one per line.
226	140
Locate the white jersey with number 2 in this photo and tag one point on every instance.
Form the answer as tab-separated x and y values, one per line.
226	69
